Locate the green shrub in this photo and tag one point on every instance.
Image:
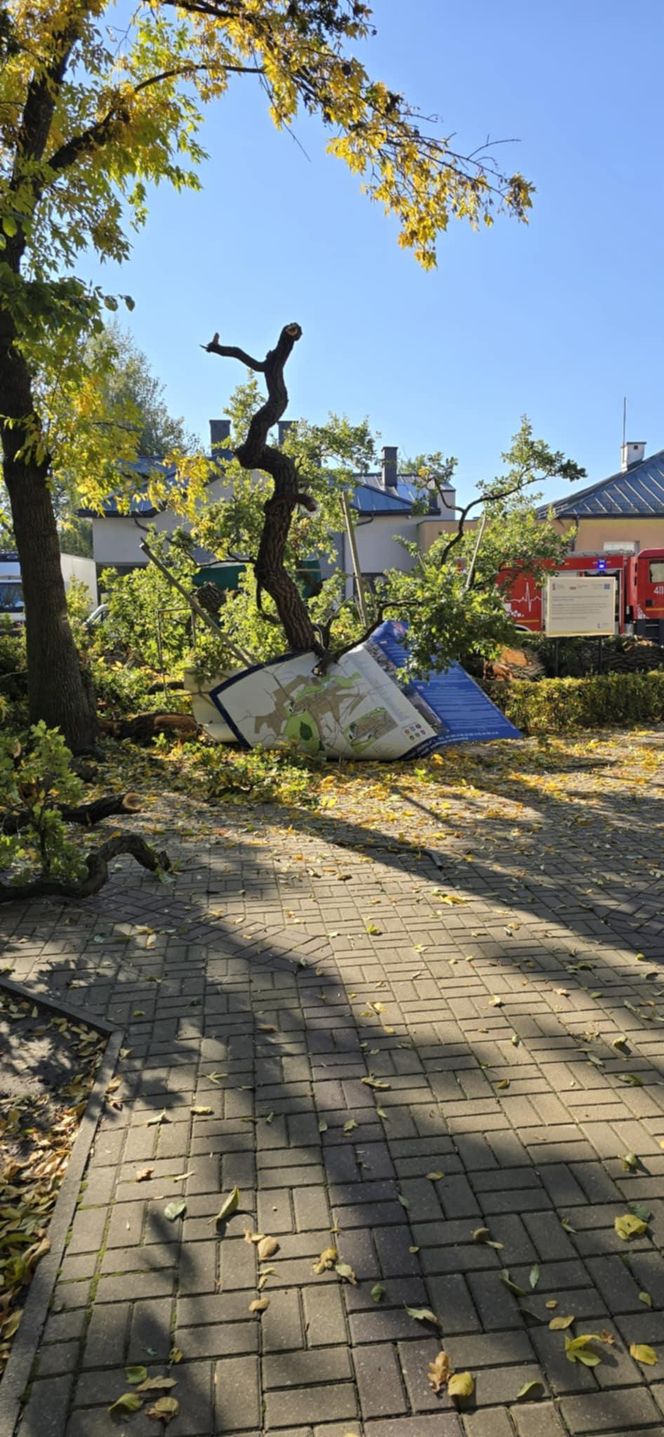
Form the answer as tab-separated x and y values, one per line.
565	705
36	777
260	776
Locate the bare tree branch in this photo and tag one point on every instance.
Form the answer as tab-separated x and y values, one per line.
232	351
256	453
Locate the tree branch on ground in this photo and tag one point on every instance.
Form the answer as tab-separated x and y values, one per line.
97	865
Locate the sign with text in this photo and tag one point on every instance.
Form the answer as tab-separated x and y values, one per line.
575	605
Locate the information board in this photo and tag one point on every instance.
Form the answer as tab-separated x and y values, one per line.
575	605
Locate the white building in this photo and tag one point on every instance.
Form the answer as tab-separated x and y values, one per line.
384	502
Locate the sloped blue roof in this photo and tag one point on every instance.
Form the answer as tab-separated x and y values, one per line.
372	499
639	492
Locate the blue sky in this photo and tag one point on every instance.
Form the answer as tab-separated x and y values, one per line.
558	319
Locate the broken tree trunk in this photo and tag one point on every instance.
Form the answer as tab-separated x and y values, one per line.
144	727
256	453
97	871
86	814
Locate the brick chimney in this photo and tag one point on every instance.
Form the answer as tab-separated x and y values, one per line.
389	476
220	431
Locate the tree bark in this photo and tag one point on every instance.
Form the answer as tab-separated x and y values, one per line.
57	691
256	453
86	814
97	865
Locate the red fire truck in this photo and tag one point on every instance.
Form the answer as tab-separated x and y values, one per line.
639	590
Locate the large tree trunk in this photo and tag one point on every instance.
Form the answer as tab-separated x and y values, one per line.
57	689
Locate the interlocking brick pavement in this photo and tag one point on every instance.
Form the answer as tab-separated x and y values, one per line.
257	986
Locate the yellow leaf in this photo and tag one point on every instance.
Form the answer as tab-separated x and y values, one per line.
629	1225
439	1372
461	1385
577	1349
267	1247
641	1352
326	1260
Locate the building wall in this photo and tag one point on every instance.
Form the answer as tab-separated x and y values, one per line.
430	529
593	534
116	542
83	571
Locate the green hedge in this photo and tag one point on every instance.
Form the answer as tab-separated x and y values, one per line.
601	701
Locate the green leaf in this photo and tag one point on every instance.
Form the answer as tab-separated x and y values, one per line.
9	226
128	1402
632	1079
403	1200
641	1352
629	1225
350	1126
645	1298
565	1222
344	1270
228	1207
482	1234
377	1292
577	1349
164	1410
136	1374
423	1314
175	1209
630	1162
534	1275
513	1286
529	1389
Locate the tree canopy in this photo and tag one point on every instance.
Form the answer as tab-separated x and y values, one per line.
94	109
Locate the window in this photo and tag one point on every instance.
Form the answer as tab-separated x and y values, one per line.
656	570
11	596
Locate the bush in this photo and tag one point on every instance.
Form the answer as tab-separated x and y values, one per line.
565	705
260	776
35	778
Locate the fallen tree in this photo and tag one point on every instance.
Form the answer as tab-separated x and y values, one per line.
96	871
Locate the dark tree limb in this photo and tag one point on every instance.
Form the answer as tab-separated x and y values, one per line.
256	453
97	871
86	814
145	727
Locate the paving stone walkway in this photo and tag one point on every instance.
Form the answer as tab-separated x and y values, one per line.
485	978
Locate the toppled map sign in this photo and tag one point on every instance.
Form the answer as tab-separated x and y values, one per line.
361	708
